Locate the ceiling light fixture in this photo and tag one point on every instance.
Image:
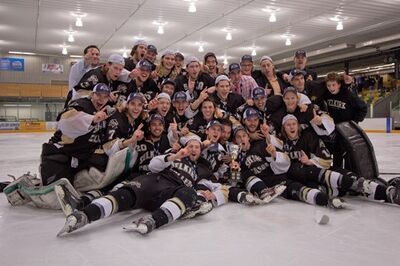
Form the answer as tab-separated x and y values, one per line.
192	7
225	61
201	48
78	15
228	36
160	24
70	33
64	51
339	25
288	38
288	42
23	53
272	10
253	52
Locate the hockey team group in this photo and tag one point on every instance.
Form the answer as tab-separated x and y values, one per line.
182	137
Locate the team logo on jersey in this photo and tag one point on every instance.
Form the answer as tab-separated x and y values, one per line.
93	79
122	88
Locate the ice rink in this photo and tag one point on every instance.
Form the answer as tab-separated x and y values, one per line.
281	233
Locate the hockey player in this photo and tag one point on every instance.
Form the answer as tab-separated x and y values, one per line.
311	163
168	86
107	74
168	192
77	142
195	81
137	53
224	98
166	69
268	79
241	84
155	143
142	82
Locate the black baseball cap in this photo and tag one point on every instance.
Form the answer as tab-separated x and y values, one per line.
234	67
136	95
251	112
145	65
290	89
154	117
180	96
210	54
258	92
101	88
152	48
168	81
300	52
246	57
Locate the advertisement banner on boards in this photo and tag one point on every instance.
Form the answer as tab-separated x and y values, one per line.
53	68
12	64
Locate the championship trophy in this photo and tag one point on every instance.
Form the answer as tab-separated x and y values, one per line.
233	151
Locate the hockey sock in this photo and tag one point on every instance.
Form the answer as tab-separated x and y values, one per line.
89	196
374	191
120	200
313	196
255	185
234	193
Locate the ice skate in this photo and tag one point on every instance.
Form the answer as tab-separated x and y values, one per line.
74	221
268	194
143	225
337	203
68	202
200	208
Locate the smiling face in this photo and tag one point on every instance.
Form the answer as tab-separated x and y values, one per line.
93	56
168	61
211	62
151	56
243	140
99	100
214	133
235	76
114	70
251	123
180	107
163	106
168	89
135	108
300	61
156	128
223	88
143	75
291	100
333	87
207	109
246	67
291	129
260	102
194	148
298	82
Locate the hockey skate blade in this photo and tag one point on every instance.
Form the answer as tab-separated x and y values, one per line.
321	218
279	190
141	229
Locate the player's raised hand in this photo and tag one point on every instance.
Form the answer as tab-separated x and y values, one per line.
317	119
271	150
182	153
100	115
138	134
174	126
304	158
184	130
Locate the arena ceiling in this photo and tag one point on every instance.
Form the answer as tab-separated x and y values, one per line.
41	26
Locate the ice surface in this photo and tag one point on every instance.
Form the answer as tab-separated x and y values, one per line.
281	233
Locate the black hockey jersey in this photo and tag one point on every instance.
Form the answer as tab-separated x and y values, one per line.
91	78
233	102
203	81
76	134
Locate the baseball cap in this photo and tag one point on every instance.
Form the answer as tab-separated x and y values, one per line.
145	65
246	57
152	48
117	59
288	117
154	117
101	88
265	57
136	95
251	112
180	55
192	59
209	54
295	72
189	137
221	78
140	42
234	67
179	96
258	92
167	52
214	123
300	52
290	89
164	95
237	129
168	81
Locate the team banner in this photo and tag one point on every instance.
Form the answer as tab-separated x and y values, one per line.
53	68
12	64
